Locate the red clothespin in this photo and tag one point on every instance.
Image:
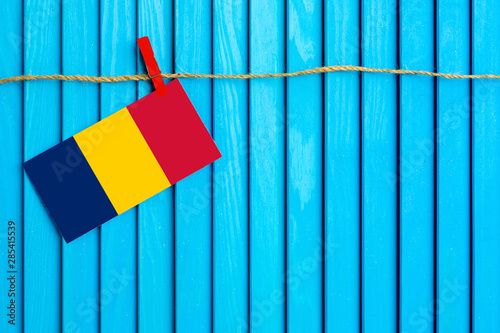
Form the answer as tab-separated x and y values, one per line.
151	65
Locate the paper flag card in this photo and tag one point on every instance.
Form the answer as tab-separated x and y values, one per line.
121	161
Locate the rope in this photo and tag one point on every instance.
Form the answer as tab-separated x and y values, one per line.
325	69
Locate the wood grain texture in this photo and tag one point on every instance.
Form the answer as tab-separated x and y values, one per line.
11	157
193	195
308	178
416	126
80	109
453	168
304	168
267	162
42	130
342	168
230	202
379	168
485	140
156	215
118	265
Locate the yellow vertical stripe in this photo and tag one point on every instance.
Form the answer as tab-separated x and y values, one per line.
122	161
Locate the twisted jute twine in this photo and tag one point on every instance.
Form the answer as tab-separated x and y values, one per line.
325	69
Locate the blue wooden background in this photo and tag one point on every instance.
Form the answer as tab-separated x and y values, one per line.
344	202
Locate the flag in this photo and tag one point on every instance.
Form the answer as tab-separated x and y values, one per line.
121	161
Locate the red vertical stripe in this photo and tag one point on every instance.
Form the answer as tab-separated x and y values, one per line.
174	132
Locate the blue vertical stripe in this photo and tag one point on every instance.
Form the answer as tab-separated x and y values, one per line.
69	189
193	215
342	169
453	168
42	130
230	202
304	149
379	168
485	48
267	152
416	126
11	157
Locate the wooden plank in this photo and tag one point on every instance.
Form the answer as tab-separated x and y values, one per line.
230	203
342	168
156	215
42	130
453	168
379	168
193	195
80	102
416	125
485	167
118	281
267	165
11	141
304	168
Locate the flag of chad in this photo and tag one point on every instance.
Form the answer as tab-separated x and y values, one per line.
121	161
